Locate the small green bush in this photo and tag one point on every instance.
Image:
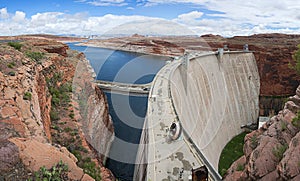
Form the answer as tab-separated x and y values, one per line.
12	73
296	58
35	56
55	100
16	45
54	115
66	87
27	96
67	129
240	167
11	65
55	127
296	120
283	125
89	167
59	172
279	151
72	115
254	141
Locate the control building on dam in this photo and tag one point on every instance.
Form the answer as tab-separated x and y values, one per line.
196	106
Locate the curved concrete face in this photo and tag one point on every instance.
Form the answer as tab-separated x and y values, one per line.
210	97
213	98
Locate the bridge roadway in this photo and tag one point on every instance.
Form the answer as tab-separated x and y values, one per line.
124	87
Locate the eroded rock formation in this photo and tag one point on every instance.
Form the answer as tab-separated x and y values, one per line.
27	133
272	152
97	124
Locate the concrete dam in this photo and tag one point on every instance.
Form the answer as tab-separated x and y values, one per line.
196	105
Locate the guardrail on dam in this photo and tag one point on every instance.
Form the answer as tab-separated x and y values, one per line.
196	105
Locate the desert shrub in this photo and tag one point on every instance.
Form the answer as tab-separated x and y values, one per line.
89	167
11	65
12	73
254	141
59	172
16	45
68	129
35	56
240	167
296	58
283	125
279	151
296	120
54	115
27	96
72	115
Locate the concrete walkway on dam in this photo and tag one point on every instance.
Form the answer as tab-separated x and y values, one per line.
209	97
123	87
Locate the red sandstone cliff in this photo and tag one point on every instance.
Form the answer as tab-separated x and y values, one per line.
96	121
29	137
272	152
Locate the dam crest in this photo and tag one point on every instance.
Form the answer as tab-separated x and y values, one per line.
196	105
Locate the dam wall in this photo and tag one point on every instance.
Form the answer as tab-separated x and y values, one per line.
213	96
209	96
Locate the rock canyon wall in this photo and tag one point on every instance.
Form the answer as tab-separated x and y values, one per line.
272	152
29	126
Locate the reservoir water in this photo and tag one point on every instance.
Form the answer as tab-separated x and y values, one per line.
127	111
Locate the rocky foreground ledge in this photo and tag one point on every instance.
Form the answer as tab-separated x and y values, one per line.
42	121
273	151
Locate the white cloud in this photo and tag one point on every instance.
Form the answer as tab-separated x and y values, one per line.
189	18
155	2
243	17
3	13
104	2
19	16
41	19
228	19
81	24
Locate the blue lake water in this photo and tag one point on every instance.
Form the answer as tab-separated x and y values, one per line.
122	66
127	112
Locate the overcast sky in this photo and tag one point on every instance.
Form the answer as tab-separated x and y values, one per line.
88	17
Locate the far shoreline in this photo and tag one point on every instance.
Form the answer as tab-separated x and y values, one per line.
120	49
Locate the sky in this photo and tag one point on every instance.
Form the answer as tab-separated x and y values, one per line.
159	17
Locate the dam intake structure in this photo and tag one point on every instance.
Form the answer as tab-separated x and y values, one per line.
204	98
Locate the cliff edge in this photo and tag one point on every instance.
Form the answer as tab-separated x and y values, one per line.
40	122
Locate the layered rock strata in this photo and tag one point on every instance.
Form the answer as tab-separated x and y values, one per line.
26	130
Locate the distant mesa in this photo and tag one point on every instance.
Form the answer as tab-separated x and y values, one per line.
137	36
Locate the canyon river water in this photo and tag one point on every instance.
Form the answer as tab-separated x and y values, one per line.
127	110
